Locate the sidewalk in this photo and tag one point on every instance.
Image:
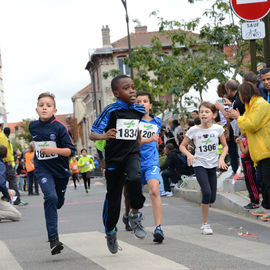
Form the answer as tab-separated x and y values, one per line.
231	196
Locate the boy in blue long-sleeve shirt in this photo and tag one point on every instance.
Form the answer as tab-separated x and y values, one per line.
53	146
7	211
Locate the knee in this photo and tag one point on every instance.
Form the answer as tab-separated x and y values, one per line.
51	198
206	198
154	193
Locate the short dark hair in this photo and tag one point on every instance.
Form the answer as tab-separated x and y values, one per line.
250	76
232	85
247	90
209	105
7	131
195	111
169	146
115	80
175	122
264	71
47	94
83	150
145	94
3	151
197	121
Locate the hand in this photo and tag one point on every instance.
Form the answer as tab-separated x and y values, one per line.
227	102
238	140
154	138
234	114
190	160
110	134
48	150
221	164
11	193
218	105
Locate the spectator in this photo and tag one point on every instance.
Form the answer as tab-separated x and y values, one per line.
177	131
174	166
265	80
256	124
7	211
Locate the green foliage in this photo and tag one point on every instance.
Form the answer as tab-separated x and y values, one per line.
25	134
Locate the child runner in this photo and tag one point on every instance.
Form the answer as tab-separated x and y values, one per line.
53	146
206	138
73	165
86	164
118	124
149	129
249	172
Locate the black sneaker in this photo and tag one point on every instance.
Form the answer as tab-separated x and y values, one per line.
125	220
56	246
158	235
251	206
112	243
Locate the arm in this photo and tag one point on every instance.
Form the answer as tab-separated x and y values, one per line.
221	162
183	149
244	149
110	134
149	140
92	162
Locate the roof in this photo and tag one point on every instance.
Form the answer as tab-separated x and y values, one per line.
83	92
141	39
13	125
62	117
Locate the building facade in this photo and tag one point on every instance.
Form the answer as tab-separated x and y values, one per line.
3	113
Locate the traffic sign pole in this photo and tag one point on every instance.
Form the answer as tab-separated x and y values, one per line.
253	58
266	41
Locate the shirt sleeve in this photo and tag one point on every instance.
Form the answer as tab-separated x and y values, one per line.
102	121
220	130
190	134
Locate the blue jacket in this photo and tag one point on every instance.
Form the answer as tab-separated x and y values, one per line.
3	186
55	132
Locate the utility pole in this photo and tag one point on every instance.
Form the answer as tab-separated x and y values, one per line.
124	2
266	40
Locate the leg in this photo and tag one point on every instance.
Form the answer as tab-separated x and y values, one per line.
166	180
47	186
85	182
112	203
153	186
265	174
74	180
30	176
36	185
233	153
125	218
9	212
61	187
11	179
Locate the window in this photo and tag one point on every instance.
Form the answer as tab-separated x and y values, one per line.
124	69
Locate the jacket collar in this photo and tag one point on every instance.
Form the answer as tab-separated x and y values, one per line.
52	119
125	105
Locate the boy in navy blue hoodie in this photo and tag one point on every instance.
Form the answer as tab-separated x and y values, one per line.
53	147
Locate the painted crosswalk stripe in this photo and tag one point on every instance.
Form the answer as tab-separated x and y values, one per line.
93	246
234	246
7	260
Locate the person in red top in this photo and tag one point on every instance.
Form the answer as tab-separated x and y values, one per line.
249	172
73	165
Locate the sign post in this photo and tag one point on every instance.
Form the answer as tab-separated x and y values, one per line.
254	10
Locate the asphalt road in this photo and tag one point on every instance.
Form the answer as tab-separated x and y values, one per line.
23	245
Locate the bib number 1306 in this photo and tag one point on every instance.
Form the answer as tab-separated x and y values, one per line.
127	129
208	148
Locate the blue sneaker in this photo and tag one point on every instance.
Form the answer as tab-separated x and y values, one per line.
158	235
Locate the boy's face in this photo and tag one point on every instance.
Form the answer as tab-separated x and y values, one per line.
125	91
45	108
144	100
265	78
84	153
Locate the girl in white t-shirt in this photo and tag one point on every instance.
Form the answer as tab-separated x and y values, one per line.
206	137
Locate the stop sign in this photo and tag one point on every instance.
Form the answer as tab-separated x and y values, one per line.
250	10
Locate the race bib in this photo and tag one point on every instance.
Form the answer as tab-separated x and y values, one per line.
147	130
42	156
75	167
127	129
86	164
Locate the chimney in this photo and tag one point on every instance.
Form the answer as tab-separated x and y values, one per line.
106	36
140	29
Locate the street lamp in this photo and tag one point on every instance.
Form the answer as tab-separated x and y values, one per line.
124	2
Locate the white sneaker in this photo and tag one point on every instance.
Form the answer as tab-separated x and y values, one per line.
162	193
206	229
168	194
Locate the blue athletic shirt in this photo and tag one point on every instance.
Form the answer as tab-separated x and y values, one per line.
149	151
51	133
125	118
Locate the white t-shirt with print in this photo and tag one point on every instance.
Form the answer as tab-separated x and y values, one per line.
206	145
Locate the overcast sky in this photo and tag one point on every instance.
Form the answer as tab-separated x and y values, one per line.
44	43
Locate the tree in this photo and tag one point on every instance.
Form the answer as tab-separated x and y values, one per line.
25	134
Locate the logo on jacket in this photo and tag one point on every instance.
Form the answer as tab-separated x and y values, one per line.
44	180
53	137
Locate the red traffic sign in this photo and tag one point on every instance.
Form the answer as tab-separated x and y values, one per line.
250	10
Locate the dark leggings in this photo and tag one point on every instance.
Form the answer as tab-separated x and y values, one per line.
86	180
207	179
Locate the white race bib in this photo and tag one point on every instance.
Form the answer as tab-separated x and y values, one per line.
147	130
127	129
40	155
75	167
